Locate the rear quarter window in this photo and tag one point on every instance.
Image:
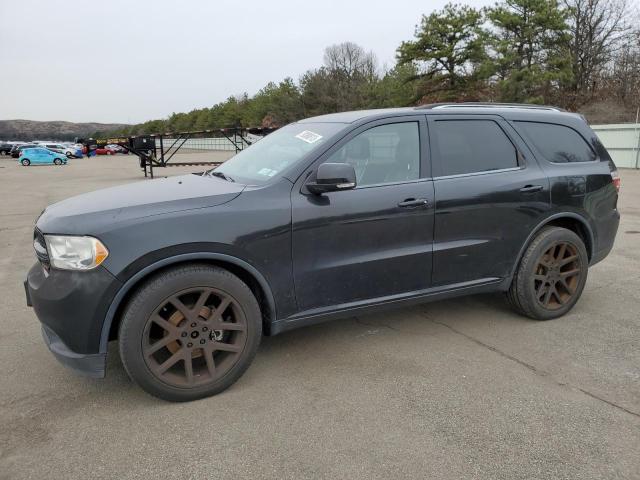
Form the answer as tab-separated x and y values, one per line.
557	143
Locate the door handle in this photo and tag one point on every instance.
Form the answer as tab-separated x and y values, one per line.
531	188
414	203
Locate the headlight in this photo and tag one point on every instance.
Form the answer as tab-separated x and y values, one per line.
75	253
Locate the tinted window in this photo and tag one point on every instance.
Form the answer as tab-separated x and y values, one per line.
388	153
468	146
557	143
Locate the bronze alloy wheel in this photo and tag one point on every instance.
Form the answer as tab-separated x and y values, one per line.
557	275
194	337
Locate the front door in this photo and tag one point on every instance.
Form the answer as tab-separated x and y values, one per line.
41	155
374	241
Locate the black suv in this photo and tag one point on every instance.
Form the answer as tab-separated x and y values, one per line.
328	217
17	148
5	148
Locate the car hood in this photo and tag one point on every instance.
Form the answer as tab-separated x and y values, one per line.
84	214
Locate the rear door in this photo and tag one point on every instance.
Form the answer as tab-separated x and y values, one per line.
373	241
490	193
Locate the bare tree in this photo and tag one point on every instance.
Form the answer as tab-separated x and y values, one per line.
626	71
350	75
600	29
350	60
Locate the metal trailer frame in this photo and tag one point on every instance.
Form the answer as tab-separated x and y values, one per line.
161	155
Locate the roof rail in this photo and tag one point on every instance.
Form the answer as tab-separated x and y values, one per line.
531	106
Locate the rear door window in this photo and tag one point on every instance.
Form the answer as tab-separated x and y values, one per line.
471	146
557	143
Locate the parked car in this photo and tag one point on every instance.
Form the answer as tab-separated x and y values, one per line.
70	152
329	217
41	156
116	148
5	148
104	151
18	147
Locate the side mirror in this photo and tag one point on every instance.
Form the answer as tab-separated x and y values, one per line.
333	177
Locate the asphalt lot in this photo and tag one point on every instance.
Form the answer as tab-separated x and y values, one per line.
455	389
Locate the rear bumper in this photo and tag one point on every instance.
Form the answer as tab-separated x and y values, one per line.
607	229
89	365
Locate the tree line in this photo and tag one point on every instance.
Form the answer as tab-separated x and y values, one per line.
583	55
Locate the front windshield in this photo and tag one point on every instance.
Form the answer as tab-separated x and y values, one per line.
276	152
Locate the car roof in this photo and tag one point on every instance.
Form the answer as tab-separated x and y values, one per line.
511	111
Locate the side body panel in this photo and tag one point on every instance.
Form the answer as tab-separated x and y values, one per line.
583	189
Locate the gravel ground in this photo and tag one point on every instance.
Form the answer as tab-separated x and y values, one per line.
453	389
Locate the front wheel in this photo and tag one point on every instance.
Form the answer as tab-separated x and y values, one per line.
551	275
57	161
190	332
25	162
69	154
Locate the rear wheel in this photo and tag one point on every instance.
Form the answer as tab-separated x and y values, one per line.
26	162
190	332
551	275
68	154
57	161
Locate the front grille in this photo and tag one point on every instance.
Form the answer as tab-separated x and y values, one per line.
40	246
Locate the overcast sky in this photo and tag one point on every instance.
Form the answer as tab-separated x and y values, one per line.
131	61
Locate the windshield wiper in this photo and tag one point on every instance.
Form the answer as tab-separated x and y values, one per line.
221	175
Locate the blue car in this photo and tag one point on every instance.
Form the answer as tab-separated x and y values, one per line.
41	156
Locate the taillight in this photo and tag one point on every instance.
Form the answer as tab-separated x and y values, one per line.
615	177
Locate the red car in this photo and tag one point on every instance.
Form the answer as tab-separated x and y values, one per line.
99	151
104	151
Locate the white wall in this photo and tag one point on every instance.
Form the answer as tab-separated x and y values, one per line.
622	142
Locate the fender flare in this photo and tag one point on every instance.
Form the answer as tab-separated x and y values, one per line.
574	216
149	269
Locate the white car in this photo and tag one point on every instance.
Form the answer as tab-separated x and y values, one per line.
70	152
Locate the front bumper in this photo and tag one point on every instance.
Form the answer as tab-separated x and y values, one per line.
90	365
71	307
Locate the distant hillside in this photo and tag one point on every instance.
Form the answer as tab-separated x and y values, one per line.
32	130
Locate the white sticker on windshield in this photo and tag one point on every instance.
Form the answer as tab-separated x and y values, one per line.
267	172
309	136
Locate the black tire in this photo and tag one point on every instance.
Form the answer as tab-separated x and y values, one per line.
26	162
68	154
544	292
151	300
57	161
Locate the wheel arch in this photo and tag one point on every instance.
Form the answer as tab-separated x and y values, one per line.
246	272
571	221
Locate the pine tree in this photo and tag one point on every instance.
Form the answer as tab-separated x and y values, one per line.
449	52
531	44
